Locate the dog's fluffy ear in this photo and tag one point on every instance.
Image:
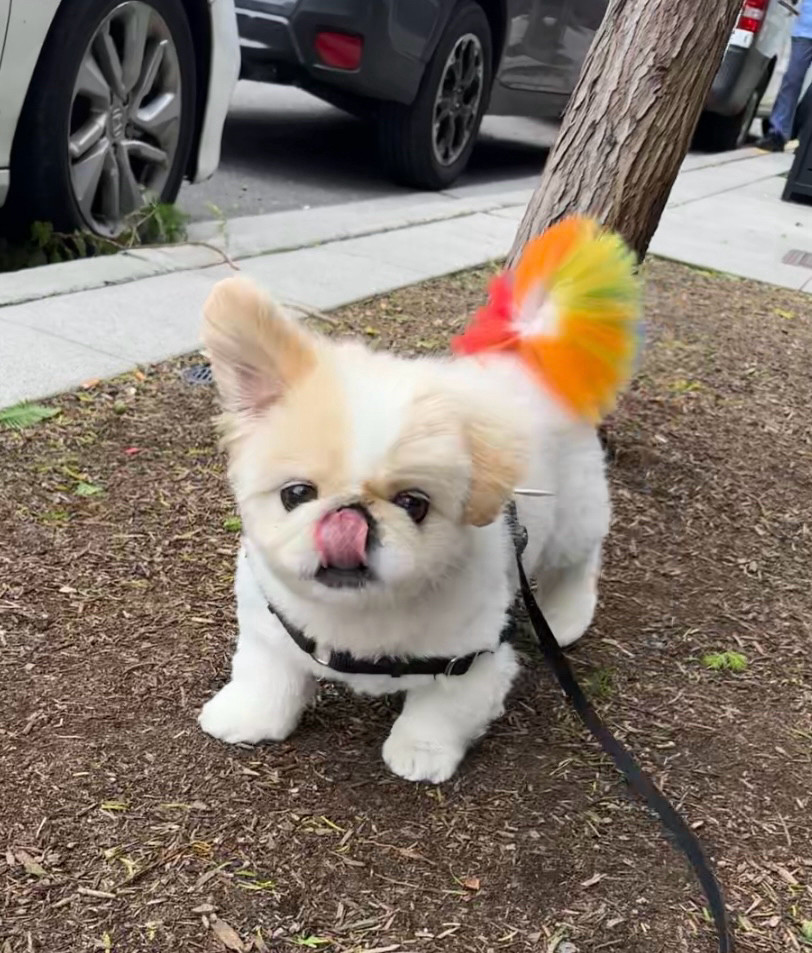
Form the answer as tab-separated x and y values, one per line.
256	352
498	449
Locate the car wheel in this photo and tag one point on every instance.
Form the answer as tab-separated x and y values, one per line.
428	143
715	133
108	121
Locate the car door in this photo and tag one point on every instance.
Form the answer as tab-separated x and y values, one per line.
582	19
5	6
533	58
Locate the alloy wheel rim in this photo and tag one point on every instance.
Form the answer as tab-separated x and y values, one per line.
456	104
125	114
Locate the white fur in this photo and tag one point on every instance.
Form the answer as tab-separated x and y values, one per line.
463	609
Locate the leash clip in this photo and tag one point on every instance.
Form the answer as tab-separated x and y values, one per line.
449	669
319	661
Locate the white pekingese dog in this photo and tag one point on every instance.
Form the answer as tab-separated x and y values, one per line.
372	491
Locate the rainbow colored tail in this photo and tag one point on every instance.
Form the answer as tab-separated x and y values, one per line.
571	310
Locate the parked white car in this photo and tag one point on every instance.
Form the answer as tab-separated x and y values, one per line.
107	104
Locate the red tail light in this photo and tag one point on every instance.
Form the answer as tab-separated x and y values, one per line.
339	50
752	15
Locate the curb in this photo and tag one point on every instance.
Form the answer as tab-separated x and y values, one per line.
218	243
64	324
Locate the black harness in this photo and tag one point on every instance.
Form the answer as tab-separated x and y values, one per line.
392	666
638	780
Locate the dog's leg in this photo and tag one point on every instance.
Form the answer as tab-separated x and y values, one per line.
267	693
441	720
568	597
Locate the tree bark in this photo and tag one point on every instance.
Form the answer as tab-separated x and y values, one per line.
631	116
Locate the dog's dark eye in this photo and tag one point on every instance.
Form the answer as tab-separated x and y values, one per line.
415	502
294	494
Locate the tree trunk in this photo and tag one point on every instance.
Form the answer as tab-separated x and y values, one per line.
631	116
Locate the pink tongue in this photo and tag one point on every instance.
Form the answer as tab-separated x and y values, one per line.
341	539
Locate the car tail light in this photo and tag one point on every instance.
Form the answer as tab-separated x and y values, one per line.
339	50
752	15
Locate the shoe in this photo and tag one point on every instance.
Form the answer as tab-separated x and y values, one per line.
772	142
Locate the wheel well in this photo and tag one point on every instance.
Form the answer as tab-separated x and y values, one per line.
197	14
496	12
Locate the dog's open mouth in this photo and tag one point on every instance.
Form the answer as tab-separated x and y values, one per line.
336	578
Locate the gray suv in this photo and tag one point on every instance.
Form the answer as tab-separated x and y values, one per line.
426	71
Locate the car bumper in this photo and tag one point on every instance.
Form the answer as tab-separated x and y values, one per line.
223	73
740	73
277	44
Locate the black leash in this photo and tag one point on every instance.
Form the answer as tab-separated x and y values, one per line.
639	781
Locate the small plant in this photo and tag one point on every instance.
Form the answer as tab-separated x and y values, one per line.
159	223
725	662
55	517
25	415
83	488
233	524
600	682
156	223
222	221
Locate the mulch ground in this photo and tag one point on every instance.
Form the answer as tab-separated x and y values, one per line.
124	828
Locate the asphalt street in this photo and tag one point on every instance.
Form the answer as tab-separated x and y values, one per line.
284	149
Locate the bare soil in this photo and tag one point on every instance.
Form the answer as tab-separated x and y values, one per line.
124	828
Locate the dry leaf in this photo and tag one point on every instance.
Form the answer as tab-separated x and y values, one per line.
90	384
228	936
472	883
30	865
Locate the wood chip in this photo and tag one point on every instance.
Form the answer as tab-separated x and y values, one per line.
228	936
594	879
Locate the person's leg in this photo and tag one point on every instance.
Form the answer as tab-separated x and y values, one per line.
783	112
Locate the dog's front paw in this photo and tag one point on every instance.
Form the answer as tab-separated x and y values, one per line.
421	759
240	713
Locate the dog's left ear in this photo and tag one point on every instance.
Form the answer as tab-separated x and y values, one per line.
499	455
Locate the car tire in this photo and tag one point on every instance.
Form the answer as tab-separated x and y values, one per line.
715	133
139	116
428	143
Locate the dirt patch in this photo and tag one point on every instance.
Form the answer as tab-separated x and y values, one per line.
125	829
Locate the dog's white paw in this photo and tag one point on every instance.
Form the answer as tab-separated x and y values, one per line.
569	621
421	759
240	713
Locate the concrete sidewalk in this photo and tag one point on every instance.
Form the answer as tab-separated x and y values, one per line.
63	324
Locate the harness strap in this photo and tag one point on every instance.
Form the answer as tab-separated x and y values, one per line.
390	665
638	780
